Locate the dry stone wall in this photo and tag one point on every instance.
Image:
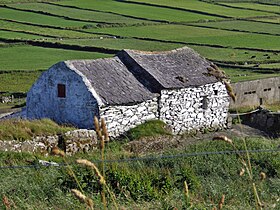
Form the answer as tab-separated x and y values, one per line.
72	142
120	119
195	108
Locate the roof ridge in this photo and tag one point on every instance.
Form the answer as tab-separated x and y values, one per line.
159	52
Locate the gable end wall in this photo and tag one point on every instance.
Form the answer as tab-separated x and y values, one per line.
77	108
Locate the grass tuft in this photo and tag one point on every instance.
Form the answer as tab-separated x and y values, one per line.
147	129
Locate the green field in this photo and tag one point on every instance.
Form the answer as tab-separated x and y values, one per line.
213	30
140	11
206	7
34	58
190	34
275	19
43	31
38	18
127	43
82	15
263	7
242	25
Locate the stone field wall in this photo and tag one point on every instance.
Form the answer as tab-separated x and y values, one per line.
263	120
72	142
120	119
195	108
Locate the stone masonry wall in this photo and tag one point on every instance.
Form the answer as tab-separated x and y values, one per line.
195	108
263	120
81	140
120	119
77	108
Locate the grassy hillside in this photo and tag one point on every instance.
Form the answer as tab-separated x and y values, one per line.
245	34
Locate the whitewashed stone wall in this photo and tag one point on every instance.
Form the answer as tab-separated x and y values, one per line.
77	108
120	119
195	108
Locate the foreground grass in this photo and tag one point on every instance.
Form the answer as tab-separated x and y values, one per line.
24	130
148	183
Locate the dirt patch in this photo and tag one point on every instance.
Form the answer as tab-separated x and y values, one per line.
159	144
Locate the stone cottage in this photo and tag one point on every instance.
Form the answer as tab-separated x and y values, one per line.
131	88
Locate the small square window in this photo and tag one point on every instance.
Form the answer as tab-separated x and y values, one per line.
215	92
61	91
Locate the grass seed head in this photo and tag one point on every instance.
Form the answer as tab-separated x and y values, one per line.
96	124
230	91
222	201
82	198
262	176
242	171
58	152
223	138
6	202
93	166
186	189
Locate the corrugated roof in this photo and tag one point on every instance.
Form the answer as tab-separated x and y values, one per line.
178	68
112	81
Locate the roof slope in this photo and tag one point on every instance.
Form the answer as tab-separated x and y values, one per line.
112	81
178	68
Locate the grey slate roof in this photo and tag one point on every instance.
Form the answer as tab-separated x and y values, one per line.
112	81
178	68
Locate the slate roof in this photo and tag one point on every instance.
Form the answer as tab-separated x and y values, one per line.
112	81
136	76
178	68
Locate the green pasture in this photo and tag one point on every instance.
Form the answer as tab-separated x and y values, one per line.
18	81
275	19
171	32
270	65
235	55
266	2
39	18
44	31
268	8
21	1
83	15
245	25
197	35
119	44
18	35
139	11
237	75
33	58
206	7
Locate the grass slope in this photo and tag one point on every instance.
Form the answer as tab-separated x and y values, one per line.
140	11
190	34
80	14
205	7
39	57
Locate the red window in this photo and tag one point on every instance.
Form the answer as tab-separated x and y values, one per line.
61	91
